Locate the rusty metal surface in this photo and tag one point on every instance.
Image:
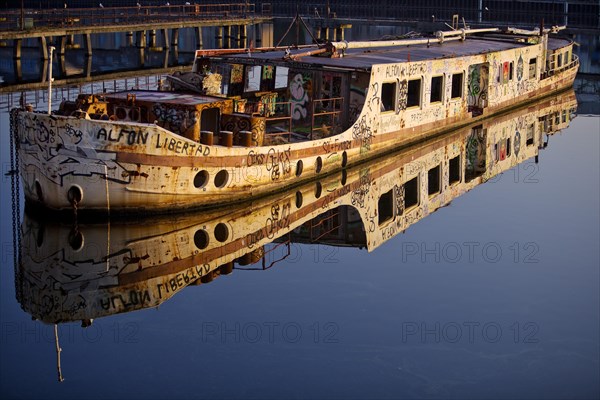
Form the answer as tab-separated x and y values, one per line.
365	59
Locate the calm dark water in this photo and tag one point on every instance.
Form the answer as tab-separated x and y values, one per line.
514	315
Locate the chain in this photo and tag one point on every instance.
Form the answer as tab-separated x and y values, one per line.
15	197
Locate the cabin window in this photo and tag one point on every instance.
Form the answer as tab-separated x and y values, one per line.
532	68
564	116
236	80
508	147
267	78
457	85
281	77
411	193
556	118
437	87
388	96
385	207
253	76
529	139
559	62
413	97
433	180
454	170
475	153
510	71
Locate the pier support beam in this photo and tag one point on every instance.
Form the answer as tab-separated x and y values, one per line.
165	33
87	69
61	45
141	39
166	59
87	41
17	49
152	38
175	38
142	54
129	38
199	40
62	65
44	72
219	37
43	48
18	70
243	36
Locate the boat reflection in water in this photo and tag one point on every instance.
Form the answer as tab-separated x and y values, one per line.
80	272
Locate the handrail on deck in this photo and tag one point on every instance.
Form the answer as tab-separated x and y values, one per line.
329	107
574	61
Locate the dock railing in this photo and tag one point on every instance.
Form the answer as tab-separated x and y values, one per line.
13	20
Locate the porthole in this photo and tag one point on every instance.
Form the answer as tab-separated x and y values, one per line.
318	190
299	167
201	179
298	199
75	194
221	232
319	165
201	239
76	240
38	191
221	178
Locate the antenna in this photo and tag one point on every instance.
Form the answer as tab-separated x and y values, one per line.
58	351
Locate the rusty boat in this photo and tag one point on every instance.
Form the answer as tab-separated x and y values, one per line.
249	122
78	271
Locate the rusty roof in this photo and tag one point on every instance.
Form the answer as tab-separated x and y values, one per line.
364	59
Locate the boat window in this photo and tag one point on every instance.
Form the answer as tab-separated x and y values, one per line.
388	96
532	68
267	78
529	140
454	167
508	147
385	207
281	77
411	193
510	71
437	85
236	80
457	85
559	63
433	180
475	153
414	93
252	83
564	116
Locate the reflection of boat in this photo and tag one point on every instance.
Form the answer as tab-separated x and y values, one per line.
252	121
91	270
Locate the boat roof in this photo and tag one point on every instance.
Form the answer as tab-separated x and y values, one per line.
365	58
176	98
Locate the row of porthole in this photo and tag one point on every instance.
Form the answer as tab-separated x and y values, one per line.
202	239
221	231
319	164
202	177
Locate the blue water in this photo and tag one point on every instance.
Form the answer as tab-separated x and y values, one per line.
514	314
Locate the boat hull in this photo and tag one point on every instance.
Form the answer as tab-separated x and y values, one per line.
116	166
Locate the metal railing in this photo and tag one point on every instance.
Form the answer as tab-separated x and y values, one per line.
97	16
